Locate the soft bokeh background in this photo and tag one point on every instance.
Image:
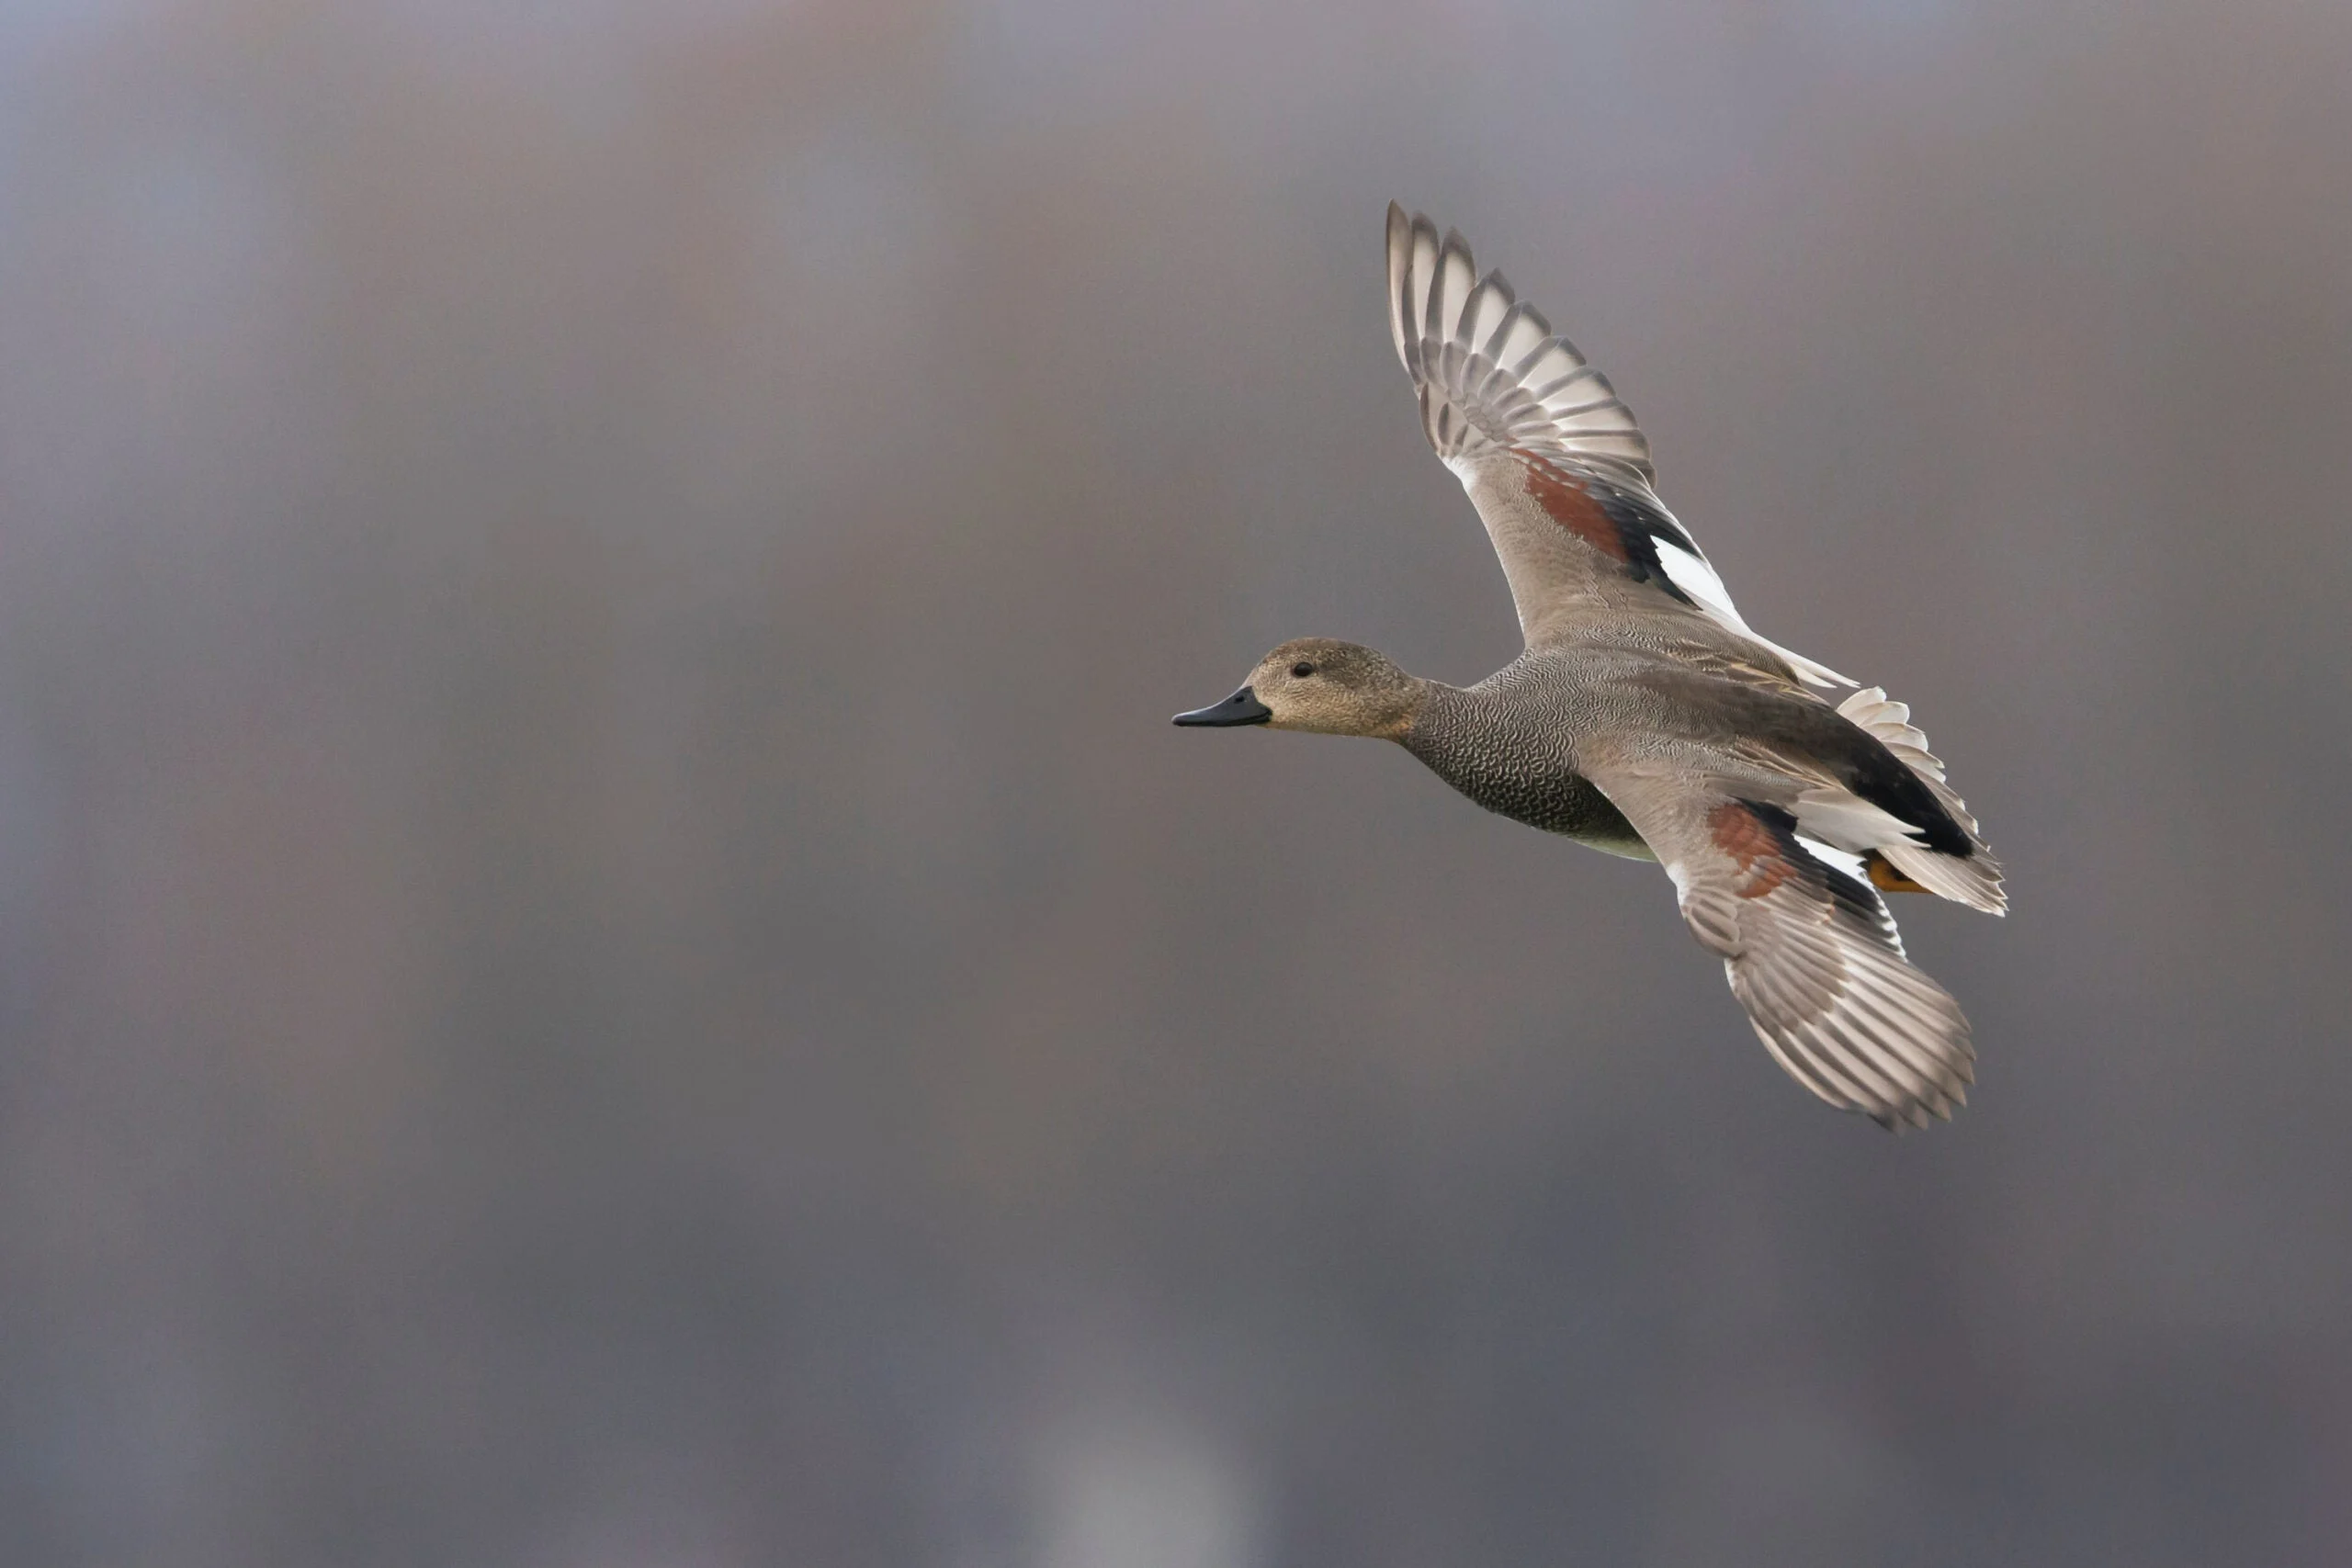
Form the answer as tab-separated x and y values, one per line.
606	957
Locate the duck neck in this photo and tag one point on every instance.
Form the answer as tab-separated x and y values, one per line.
1481	736
1438	710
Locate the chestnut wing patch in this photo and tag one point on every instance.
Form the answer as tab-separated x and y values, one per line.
1639	535
1763	844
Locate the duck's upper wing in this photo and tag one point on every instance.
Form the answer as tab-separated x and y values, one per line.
1549	453
1809	948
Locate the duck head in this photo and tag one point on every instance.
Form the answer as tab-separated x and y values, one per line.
1325	686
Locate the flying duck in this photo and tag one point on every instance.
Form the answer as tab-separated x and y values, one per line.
1647	719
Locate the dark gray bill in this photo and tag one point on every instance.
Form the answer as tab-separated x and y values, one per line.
1242	707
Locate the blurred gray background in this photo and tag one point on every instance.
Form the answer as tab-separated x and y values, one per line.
608	958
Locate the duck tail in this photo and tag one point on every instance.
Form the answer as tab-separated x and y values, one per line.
1974	879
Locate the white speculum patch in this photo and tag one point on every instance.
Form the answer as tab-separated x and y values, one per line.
1835	858
1695	577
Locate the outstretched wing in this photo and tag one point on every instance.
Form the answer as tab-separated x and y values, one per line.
1552	458
1809	949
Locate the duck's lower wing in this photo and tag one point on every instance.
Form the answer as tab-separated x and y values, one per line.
1811	951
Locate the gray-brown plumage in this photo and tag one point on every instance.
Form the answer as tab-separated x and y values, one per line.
1646	718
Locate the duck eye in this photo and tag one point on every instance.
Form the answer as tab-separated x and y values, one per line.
1302	670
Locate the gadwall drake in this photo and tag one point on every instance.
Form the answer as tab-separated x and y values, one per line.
1646	719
